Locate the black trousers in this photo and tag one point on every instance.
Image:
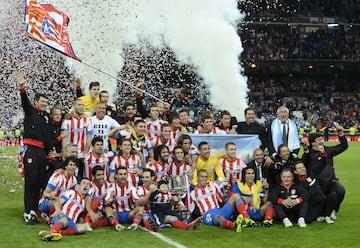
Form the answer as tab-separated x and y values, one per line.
335	193
35	176
294	213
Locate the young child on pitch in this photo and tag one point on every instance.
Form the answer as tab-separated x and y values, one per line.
161	206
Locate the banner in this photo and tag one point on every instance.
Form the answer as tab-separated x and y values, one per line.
245	143
48	25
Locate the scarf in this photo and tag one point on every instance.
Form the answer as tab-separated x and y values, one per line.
293	136
254	192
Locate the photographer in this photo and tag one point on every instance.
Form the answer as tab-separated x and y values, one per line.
281	160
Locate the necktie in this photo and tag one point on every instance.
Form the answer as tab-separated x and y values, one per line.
284	133
258	176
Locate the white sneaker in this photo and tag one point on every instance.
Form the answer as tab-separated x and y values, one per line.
320	219
287	223
301	222
328	220
333	215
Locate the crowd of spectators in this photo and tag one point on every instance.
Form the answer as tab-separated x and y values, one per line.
295	10
273	43
179	84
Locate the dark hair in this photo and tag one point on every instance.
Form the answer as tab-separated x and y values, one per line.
184	110
281	146
93	84
158	149
182	138
228	144
161	182
102	92
164	125
201	144
287	169
138	121
38	95
178	147
55	107
152	173
121	168
249	109
243	173
71	159
96	139
95	169
224	112
127	104
173	116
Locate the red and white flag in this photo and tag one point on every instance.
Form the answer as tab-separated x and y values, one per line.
48	25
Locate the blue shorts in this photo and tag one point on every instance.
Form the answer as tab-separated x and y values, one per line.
254	214
45	206
123	217
150	215
58	217
209	217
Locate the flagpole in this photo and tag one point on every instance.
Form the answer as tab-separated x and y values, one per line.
122	81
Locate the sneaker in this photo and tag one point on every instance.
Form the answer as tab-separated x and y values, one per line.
154	226
133	227
329	220
287	223
195	224
248	223
267	223
43	233
301	222
320	219
30	218
238	223
333	215
119	227
52	237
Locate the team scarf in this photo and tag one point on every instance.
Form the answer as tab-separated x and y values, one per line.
253	192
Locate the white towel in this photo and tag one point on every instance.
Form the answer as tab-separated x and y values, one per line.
293	135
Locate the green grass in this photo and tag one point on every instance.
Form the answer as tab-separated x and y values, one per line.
344	233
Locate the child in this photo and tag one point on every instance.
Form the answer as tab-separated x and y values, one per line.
161	207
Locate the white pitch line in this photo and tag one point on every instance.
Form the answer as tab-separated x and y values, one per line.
164	238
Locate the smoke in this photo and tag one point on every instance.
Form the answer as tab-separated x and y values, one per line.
201	32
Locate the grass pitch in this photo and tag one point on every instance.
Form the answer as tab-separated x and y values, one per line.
344	233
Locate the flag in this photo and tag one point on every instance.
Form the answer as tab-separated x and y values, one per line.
48	25
245	143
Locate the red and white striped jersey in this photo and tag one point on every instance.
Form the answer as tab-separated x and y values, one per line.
142	191
59	183
131	163
182	169
232	169
175	133
153	128
156	141
78	129
99	190
161	198
124	197
206	198
90	161
74	204
161	170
